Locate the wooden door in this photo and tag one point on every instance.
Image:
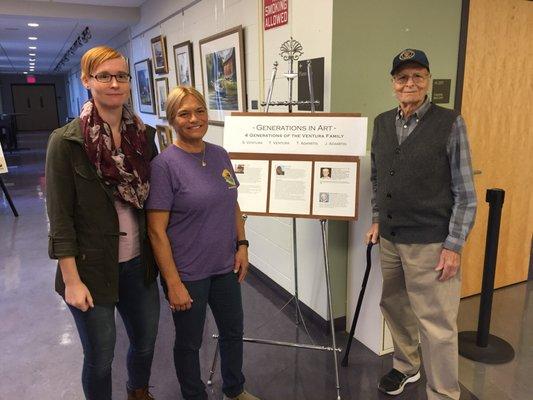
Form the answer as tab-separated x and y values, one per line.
38	106
497	106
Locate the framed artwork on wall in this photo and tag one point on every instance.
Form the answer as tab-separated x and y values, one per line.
183	60
161	88
159	54
145	89
164	136
223	76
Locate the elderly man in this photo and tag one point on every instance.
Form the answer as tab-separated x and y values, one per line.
424	206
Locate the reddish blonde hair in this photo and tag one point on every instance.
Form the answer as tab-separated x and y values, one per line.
95	57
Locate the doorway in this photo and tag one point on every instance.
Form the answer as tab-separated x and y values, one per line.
35	107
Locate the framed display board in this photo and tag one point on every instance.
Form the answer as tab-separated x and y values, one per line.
297	165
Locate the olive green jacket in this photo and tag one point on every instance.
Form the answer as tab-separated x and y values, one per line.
83	220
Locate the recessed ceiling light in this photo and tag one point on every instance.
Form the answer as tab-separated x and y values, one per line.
32	59
33	24
32	64
32	37
31	54
32	47
25	73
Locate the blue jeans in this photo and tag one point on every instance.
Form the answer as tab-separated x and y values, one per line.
223	294
138	306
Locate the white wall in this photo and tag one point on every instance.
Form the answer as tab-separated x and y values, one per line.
271	238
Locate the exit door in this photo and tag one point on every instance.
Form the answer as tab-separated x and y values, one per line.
35	106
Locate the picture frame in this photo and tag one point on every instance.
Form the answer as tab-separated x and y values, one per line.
223	74
164	136
130	98
161	89
159	54
184	63
145	88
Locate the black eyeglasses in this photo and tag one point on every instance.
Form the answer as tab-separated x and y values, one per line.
105	77
402	79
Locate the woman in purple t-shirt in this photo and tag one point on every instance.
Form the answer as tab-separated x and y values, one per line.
197	233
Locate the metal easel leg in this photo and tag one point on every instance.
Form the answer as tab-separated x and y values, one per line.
213	365
330	306
295	257
8	197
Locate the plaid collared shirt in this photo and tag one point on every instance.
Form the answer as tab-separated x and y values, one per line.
462	187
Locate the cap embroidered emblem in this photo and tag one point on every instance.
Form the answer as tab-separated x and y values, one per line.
406	55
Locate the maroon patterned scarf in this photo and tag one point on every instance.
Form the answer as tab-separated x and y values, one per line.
127	168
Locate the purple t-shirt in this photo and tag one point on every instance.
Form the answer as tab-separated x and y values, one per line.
201	201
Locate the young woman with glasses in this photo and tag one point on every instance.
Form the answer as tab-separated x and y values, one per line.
97	172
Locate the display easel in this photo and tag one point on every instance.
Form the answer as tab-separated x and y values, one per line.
291	50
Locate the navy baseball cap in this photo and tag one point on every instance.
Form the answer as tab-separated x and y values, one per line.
409	56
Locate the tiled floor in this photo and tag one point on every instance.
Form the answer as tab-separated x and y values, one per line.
40	354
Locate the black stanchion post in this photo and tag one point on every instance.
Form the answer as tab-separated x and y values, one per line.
495	198
481	345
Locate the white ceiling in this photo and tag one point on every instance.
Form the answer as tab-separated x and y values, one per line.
116	3
60	25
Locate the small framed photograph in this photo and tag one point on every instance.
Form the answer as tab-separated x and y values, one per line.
161	88
145	89
183	60
164	136
159	54
223	80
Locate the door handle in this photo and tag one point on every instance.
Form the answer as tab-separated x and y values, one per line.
28	102
41	100
477	172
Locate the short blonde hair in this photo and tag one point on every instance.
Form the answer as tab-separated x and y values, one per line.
95	57
175	98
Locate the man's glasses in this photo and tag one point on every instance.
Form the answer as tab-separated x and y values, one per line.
417	79
104	77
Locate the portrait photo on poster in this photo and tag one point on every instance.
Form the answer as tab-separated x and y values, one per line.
253	184
335	188
290	187
184	63
222	62
161	88
145	90
159	54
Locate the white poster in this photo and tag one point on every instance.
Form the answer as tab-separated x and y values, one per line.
3	164
290	187
335	188
253	184
331	135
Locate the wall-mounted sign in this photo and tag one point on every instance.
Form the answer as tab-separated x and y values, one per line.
339	134
441	91
276	13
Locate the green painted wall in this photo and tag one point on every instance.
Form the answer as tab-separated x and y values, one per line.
367	34
338	264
